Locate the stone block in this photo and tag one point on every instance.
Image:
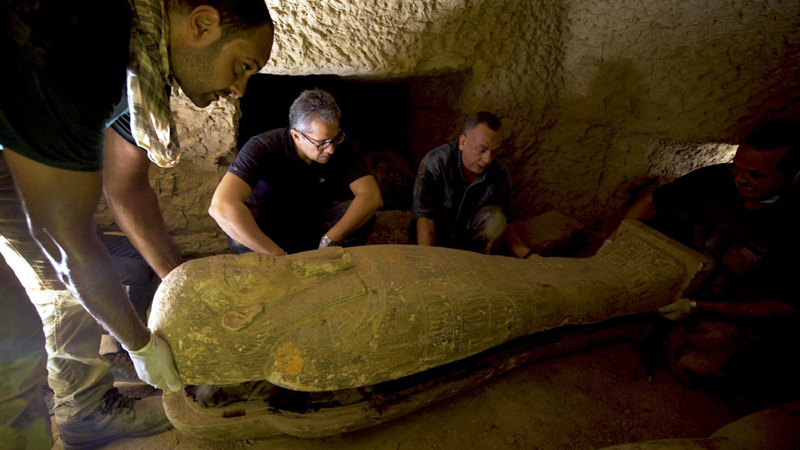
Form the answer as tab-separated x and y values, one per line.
548	233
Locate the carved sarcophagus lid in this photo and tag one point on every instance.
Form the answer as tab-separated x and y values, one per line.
337	318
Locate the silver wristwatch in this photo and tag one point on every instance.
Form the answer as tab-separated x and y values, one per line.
325	242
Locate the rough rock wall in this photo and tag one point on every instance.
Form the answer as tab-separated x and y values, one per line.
497	55
637	74
597	97
208	140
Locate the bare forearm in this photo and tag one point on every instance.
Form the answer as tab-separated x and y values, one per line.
139	216
237	222
134	204
86	269
426	234
358	213
60	205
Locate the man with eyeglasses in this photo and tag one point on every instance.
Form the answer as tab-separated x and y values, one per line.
462	193
745	215
298	188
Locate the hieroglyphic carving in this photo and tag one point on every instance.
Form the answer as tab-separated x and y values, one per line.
341	318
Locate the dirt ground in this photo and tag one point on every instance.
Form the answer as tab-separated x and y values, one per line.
585	400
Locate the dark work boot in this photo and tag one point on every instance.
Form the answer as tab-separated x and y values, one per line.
117	416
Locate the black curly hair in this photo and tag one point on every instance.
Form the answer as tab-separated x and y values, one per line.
236	16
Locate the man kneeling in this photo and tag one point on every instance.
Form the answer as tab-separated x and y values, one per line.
298	188
462	193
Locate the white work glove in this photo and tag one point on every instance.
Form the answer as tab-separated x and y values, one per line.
155	366
678	310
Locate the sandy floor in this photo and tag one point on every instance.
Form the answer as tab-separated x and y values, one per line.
585	400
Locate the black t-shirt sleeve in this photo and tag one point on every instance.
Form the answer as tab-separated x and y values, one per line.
123	128
251	160
355	165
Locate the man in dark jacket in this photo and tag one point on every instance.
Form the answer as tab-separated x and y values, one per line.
462	193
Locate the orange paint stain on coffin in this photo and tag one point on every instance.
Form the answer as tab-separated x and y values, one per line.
288	359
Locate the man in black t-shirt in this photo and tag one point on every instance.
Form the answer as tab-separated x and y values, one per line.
298	188
744	214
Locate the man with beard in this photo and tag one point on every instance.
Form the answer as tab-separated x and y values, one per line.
72	69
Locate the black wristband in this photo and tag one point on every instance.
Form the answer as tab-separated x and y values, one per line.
530	252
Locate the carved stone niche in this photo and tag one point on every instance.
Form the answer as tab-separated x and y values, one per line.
338	319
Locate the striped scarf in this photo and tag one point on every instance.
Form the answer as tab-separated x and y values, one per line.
149	72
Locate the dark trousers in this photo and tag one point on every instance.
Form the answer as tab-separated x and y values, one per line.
139	279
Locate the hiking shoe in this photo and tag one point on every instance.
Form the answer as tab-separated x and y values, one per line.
117	416
123	370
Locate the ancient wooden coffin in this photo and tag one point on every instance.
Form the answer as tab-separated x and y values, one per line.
316	414
337	318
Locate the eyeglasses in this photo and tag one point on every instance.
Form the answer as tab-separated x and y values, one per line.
322	145
750	175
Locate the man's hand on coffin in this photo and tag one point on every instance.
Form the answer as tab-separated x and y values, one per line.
678	310
154	364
